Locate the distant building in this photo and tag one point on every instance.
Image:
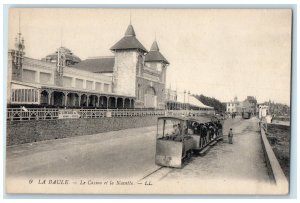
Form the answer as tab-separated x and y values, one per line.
263	110
234	106
249	105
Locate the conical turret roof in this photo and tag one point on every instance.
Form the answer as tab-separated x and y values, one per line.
129	41
154	55
154	47
130	31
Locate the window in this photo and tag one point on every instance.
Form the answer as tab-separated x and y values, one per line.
45	78
28	75
106	87
98	86
139	65
67	81
79	83
24	96
89	85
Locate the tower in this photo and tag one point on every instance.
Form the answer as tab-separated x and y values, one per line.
157	64
129	54
157	61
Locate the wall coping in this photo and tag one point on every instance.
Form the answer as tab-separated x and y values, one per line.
274	166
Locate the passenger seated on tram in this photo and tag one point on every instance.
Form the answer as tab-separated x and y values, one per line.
176	130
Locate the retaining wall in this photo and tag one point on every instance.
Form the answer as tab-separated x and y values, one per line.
19	132
274	169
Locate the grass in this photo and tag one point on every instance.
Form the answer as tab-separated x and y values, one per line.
279	140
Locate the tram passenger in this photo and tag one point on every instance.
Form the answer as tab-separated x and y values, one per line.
176	131
177	134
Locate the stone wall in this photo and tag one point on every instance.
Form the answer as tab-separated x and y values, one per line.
19	132
125	72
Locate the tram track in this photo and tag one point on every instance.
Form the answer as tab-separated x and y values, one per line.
153	172
158	173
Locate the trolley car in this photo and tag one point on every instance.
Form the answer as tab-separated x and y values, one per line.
246	115
179	137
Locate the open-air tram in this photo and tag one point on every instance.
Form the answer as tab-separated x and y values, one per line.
179	137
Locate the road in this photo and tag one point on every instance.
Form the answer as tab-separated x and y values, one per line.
124	153
244	159
129	154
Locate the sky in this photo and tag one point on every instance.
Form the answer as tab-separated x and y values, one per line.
215	52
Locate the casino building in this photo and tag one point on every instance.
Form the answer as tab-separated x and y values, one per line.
132	77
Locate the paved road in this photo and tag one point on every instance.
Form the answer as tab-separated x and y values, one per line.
244	159
124	153
130	154
237	168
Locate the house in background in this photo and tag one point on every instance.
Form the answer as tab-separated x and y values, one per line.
249	105
234	106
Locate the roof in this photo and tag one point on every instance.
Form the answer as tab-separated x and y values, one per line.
192	101
97	65
154	55
130	31
68	54
129	41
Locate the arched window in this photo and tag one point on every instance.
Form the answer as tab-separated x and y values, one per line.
139	65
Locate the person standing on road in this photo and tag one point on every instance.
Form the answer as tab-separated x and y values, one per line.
230	136
220	128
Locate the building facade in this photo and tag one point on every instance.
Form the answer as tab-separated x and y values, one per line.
262	110
234	106
248	105
132	78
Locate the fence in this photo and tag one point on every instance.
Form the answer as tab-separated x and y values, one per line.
31	114
98	113
22	114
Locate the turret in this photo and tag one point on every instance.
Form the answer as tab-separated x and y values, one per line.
155	60
129	55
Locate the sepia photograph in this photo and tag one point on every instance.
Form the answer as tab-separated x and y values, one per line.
148	101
